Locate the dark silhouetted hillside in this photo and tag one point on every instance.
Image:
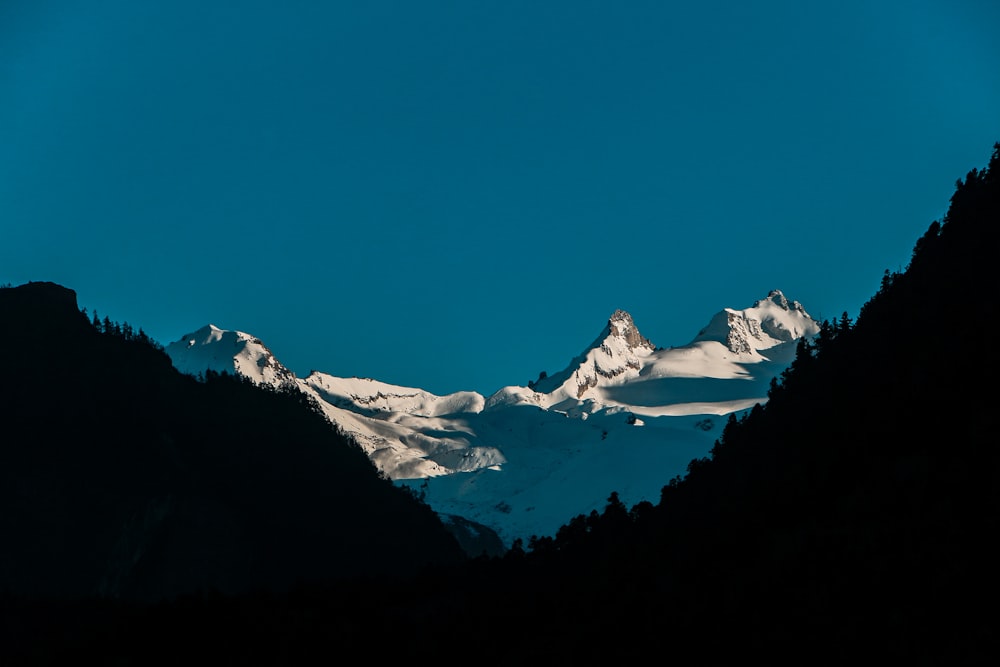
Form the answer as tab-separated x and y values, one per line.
124	479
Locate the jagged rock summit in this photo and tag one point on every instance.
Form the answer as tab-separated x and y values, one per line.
620	325
614	356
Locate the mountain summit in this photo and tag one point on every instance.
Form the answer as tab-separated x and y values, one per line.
613	356
215	349
523	459
620	325
766	324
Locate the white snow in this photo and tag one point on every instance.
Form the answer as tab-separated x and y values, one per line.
524	461
212	348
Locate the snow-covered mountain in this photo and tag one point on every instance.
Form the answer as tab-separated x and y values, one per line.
623	416
212	348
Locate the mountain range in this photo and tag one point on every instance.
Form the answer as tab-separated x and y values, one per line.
624	415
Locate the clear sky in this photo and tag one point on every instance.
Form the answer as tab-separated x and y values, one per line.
456	195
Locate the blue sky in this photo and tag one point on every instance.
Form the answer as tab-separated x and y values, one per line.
456	195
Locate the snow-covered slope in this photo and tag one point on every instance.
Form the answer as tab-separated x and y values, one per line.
212	348
407	432
623	416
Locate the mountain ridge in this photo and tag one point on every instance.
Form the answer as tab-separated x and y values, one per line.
518	460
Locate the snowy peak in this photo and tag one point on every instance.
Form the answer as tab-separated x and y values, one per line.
620	325
204	336
222	351
614	356
784	320
776	297
768	322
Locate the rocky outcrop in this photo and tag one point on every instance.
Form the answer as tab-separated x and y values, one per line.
621	325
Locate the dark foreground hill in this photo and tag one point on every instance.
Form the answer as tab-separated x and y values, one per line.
850	519
122	478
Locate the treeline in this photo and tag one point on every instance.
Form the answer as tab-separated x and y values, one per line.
122	330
